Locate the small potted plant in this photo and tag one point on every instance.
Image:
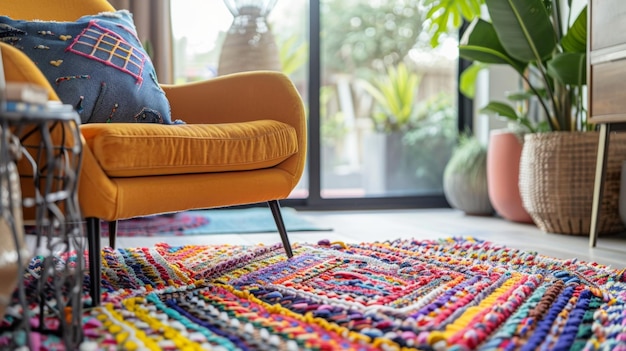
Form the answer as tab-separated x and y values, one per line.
465	178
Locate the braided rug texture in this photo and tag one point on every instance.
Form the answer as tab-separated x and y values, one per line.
449	294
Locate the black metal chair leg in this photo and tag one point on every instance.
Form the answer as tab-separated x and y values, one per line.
280	224
93	237
112	233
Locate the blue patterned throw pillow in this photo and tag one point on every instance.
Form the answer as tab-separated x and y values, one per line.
96	64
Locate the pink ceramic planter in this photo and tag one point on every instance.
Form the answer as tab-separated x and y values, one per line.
503	156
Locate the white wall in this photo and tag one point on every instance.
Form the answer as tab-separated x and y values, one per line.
492	85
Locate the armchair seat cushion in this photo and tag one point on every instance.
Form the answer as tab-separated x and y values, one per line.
135	149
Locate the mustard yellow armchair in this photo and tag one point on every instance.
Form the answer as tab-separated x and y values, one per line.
244	142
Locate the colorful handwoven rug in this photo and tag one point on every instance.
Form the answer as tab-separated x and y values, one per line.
453	294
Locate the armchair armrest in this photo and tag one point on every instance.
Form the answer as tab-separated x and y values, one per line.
19	68
239	97
243	97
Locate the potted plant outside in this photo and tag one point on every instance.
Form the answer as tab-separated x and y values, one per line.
418	135
388	166
395	93
541	42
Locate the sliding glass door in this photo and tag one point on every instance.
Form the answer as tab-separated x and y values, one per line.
382	104
387	101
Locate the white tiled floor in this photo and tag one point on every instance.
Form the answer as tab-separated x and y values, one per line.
362	226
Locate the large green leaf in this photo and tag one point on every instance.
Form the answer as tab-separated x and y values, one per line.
505	110
524	28
520	95
443	13
467	80
480	43
569	68
575	40
501	109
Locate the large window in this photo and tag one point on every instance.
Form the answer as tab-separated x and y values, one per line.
382	103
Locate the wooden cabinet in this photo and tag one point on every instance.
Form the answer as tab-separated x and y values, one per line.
606	61
606	24
606	82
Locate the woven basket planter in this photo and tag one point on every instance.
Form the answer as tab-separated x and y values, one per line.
557	174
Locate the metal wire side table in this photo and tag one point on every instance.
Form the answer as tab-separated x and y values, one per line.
49	143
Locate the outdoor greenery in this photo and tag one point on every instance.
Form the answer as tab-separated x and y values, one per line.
429	126
544	41
293	54
374	43
395	94
374	53
432	138
332	126
368	36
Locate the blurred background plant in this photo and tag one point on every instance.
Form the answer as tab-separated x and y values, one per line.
395	94
293	54
361	40
375	34
433	138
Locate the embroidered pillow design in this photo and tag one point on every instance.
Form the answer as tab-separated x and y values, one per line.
96	64
103	45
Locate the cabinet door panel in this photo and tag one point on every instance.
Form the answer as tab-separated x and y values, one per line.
608	27
608	88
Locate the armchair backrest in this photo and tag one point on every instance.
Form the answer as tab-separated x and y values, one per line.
53	10
19	68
